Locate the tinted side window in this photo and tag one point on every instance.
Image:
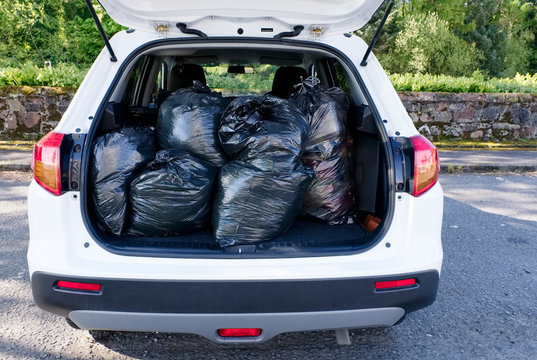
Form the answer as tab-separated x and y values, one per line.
133	88
340	77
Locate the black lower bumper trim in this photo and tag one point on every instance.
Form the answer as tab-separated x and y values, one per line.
198	297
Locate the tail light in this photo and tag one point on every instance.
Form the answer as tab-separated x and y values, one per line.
426	166
395	284
245	332
69	285
46	162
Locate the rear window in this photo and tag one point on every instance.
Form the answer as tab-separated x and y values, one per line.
237	80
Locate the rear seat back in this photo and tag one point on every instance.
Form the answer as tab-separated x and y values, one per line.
285	80
181	76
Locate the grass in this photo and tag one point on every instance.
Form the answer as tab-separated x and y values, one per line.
520	144
452	169
16	144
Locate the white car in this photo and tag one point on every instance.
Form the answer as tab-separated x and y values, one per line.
312	277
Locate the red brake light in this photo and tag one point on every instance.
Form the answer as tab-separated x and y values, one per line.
46	162
247	332
394	284
426	165
78	286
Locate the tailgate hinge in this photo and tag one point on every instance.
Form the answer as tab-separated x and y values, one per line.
162	29
317	31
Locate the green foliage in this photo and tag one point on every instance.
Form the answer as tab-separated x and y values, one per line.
440	37
18	20
451	11
519	35
427	45
486	33
474	84
501	34
260	81
32	75
55	31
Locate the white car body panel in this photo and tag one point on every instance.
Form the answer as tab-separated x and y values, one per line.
61	249
222	18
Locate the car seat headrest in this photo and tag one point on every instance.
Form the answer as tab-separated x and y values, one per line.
285	80
182	76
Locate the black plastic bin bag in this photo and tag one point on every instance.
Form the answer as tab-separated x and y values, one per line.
172	196
263	127
330	196
116	157
253	205
188	120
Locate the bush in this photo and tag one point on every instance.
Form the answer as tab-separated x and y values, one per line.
475	84
30	74
426	44
59	31
258	82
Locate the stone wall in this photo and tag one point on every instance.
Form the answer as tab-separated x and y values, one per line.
31	111
27	111
473	116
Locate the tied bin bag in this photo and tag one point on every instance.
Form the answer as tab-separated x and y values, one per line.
171	196
253	205
259	194
263	127
116	158
188	120
329	197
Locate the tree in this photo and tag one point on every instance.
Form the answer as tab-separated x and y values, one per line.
50	30
487	35
426	44
452	11
500	33
519	25
498	37
17	29
516	46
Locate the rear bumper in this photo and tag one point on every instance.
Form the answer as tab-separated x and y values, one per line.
201	307
206	325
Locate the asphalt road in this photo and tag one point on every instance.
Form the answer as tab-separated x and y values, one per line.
486	306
